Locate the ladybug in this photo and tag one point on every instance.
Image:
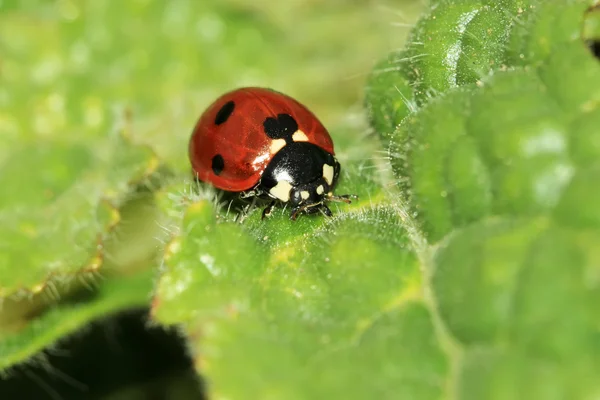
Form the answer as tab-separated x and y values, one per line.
262	143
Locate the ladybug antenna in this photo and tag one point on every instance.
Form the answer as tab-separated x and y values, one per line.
344	198
322	207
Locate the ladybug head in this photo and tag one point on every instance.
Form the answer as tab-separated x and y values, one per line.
310	197
303	175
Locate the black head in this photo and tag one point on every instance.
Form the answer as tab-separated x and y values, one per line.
303	175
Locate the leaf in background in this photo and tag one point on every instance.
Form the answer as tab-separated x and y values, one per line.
67	164
516	129
388	95
67	168
68	316
498	175
29	322
528	318
61	199
457	43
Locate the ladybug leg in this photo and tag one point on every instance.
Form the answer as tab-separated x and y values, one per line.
317	206
249	193
247	209
326	211
343	198
268	209
296	211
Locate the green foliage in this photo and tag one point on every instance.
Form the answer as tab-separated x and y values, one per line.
498	171
51	190
506	145
302	308
97	101
73	312
468	269
389	96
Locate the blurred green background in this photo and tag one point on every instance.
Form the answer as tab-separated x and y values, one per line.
74	70
70	67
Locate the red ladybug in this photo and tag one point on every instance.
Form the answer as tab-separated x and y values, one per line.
260	142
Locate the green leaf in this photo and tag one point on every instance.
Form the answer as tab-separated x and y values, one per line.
64	209
544	28
514	144
313	303
498	174
457	43
388	95
477	278
67	165
591	25
30	322
528	317
22	342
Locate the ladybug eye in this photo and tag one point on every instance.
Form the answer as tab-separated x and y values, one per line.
296	198
282	127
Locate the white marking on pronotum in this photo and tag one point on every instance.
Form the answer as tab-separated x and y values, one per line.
277	145
299	136
328	173
305	195
281	190
320	189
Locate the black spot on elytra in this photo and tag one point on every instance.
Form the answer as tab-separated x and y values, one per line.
224	113
282	127
218	164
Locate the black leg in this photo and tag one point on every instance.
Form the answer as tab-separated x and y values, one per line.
246	210
316	207
343	198
326	211
295	212
249	193
267	211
